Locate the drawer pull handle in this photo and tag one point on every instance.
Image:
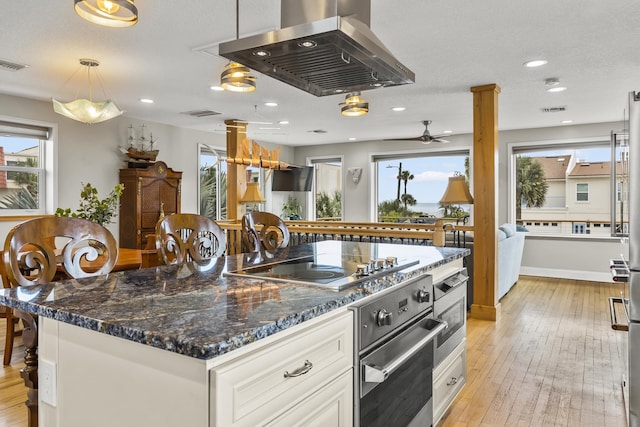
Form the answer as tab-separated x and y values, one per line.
453	381
300	371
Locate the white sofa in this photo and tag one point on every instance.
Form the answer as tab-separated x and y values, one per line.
510	248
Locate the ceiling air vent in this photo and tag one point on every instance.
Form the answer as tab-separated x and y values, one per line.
554	109
201	113
317	131
11	66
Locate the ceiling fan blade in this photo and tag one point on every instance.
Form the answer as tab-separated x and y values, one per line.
418	138
441	141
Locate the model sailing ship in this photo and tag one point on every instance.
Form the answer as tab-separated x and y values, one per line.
141	148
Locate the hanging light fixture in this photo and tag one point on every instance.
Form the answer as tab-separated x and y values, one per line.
85	110
109	13
354	106
237	78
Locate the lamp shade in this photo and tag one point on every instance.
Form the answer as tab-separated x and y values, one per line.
457	192
237	78
354	105
253	194
86	111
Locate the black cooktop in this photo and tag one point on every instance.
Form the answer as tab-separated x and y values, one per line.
328	270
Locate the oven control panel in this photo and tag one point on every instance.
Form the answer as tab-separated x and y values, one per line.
384	312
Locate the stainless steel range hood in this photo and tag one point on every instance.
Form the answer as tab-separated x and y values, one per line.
324	47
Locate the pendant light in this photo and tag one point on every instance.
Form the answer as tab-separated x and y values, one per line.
354	106
85	110
236	77
109	13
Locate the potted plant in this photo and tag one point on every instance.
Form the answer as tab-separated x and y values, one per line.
93	208
291	209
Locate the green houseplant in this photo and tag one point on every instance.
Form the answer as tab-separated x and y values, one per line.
93	208
291	209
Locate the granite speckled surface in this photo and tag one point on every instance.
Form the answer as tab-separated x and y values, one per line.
200	312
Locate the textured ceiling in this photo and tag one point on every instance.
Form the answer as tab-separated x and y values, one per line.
451	45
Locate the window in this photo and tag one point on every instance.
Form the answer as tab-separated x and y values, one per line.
23	171
410	186
556	185
213	183
582	192
327	188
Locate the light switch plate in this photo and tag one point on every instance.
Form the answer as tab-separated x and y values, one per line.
47	379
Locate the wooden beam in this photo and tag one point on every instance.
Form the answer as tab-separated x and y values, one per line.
485	179
236	175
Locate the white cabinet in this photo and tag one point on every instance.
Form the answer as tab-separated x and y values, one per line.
448	379
310	369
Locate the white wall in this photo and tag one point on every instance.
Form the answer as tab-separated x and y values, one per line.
569	258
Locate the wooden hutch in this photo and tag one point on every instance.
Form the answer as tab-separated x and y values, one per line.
148	193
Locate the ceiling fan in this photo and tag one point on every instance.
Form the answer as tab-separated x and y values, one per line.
426	137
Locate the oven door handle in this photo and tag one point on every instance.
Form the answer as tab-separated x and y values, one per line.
377	374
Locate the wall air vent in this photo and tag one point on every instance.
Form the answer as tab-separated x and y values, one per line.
554	109
11	66
201	113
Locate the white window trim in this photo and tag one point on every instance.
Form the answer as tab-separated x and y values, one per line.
311	197
50	157
581	192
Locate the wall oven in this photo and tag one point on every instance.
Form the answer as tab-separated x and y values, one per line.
395	332
450	306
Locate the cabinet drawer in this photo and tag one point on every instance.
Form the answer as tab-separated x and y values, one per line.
253	390
449	378
331	406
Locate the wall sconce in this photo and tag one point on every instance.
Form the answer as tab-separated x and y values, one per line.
355	173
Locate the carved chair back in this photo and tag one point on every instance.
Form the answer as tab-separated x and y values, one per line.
264	231
184	237
31	257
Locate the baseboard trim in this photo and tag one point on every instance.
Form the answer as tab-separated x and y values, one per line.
591	276
486	312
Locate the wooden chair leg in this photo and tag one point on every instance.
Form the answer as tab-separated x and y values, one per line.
30	371
8	340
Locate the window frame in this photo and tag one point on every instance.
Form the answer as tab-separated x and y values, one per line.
206	149
311	197
515	148
578	192
46	135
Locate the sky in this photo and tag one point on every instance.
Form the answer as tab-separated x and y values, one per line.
431	175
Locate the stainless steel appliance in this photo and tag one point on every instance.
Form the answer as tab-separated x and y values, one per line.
394	333
634	261
450	306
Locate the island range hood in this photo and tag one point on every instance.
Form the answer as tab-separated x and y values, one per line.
324	47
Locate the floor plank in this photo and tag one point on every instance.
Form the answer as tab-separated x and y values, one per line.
551	360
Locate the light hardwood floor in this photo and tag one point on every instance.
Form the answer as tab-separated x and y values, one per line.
552	360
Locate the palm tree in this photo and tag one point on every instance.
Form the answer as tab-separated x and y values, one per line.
209	192
406	176
408	199
531	185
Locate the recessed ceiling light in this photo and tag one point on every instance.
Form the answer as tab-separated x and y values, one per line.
398	108
270	104
535	63
217	88
262	53
557	89
564	122
146	100
447	131
283	122
308	44
352	138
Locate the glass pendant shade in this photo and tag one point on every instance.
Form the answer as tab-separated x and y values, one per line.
354	106
86	110
237	78
108	13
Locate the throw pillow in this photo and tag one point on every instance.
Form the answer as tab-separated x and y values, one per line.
509	229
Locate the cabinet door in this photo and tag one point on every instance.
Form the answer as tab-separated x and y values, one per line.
332	406
252	390
448	379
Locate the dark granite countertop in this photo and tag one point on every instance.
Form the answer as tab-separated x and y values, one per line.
198	311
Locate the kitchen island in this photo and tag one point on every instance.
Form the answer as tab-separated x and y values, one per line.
191	346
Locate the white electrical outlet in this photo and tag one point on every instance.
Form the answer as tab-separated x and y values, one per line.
47	382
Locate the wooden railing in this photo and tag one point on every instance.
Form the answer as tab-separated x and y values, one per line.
374	232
